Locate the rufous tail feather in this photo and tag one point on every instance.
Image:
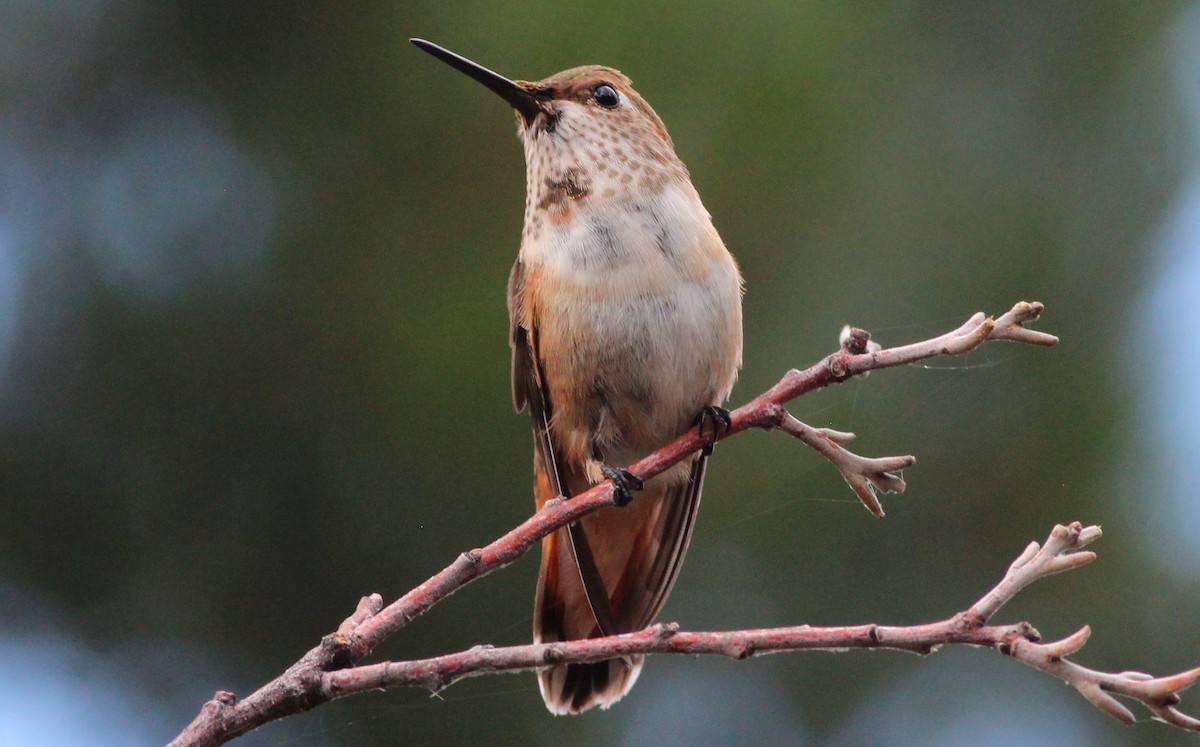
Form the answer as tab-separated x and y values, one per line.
637	550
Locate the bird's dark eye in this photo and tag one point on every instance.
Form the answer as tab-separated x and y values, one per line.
606	96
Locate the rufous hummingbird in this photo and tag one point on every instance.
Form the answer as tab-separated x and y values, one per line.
626	330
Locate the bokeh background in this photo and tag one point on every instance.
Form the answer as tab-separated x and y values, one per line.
253	356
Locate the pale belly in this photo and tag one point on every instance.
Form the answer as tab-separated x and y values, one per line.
642	330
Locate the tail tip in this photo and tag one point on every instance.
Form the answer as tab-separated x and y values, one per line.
569	689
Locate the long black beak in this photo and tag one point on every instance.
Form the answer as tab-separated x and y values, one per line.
517	95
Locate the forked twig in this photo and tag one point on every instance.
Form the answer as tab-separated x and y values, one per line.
1061	552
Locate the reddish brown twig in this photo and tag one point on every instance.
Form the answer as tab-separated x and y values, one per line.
765	411
300	687
1060	552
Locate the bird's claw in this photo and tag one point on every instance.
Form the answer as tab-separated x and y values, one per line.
716	421
624	483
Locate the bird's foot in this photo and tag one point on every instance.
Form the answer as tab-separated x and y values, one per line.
716	421
624	483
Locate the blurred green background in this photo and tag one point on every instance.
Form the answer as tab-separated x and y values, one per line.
254	363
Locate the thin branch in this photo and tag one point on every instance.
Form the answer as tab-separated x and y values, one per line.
437	673
1019	640
301	686
765	411
1160	695
1061	552
864	476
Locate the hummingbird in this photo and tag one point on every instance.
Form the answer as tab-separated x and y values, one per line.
625	313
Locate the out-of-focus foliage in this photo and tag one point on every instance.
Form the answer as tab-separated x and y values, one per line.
253	349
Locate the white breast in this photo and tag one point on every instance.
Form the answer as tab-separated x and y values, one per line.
649	303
